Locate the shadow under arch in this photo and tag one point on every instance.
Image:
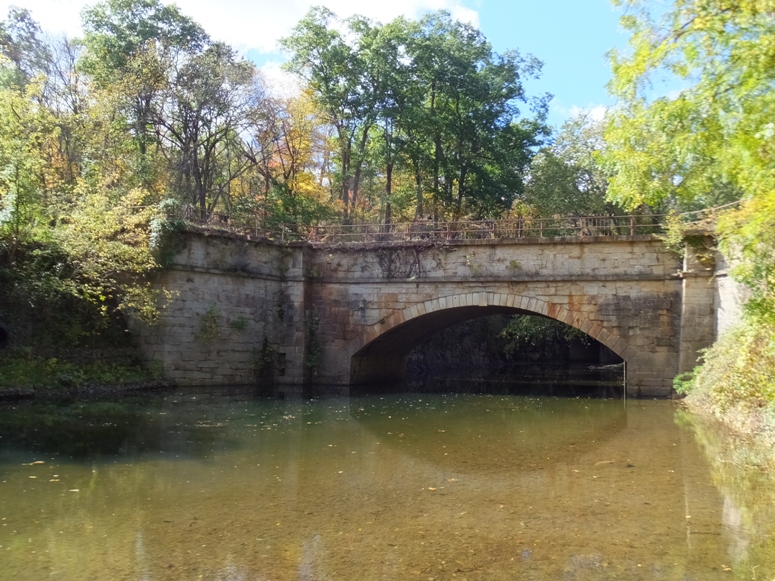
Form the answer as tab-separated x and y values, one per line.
378	354
500	433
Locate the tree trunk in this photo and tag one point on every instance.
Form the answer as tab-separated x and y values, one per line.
359	167
388	191
346	186
420	210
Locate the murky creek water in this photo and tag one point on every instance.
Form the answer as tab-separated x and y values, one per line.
426	486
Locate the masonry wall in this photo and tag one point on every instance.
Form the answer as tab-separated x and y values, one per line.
234	306
698	308
321	308
729	296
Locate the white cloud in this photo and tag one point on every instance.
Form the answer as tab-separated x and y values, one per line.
278	82
559	113
256	24
595	113
55	16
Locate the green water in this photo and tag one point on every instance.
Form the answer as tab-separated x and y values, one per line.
476	487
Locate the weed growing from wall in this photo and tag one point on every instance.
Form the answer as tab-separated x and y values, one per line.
166	240
240	323
209	325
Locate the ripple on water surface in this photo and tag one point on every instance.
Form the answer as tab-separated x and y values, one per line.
397	487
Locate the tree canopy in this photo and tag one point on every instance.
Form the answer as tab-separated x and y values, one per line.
710	139
429	98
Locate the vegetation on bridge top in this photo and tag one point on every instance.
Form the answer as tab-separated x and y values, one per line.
673	228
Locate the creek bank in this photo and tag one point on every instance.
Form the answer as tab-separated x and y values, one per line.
745	421
735	382
87	391
75	373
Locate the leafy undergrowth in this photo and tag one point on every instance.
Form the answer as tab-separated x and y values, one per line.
31	374
736	381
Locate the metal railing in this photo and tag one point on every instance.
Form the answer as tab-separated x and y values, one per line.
507	229
429	231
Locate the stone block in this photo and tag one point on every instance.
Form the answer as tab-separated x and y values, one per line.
619	347
611	341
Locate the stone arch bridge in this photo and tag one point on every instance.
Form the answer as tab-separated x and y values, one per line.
302	314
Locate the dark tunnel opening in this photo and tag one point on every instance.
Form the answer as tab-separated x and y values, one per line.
492	350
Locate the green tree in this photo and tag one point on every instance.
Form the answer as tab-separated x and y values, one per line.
474	147
333	68
132	45
717	130
524	332
715	139
439	101
26	132
566	177
21	43
204	110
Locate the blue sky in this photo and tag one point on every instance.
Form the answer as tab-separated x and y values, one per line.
571	37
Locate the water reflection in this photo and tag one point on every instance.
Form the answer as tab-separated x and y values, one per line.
386	487
112	429
503	435
528	379
744	474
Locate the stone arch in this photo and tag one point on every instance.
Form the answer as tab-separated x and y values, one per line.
483	299
466	303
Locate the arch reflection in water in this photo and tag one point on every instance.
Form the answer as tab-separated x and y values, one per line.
381	487
489	434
